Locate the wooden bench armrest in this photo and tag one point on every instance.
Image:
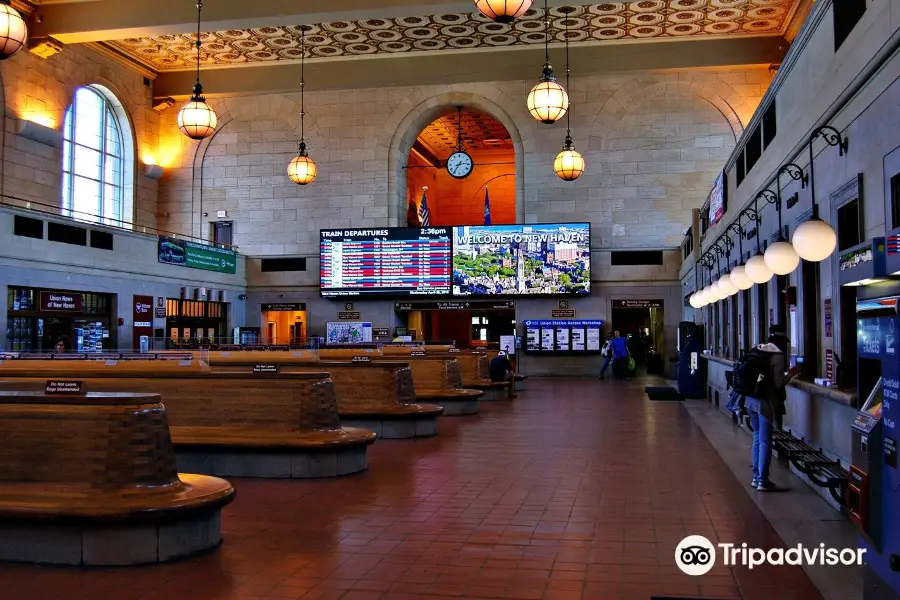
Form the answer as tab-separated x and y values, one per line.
265	439
400	411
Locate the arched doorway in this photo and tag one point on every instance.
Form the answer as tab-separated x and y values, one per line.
462	201
489	189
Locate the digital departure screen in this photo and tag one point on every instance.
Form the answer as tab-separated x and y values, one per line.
398	261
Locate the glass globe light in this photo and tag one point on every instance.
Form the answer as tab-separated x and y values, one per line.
781	258
503	11
726	287
757	270
197	119
302	169
696	300
569	164
548	101
740	279
13	31
814	240
713	292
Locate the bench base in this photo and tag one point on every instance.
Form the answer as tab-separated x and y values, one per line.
456	407
115	544
520	384
396	429
281	465
495	394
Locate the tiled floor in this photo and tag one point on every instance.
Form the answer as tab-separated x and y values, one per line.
576	490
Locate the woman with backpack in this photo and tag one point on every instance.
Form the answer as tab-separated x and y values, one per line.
761	378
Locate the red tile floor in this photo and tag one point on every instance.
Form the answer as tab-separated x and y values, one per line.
576	490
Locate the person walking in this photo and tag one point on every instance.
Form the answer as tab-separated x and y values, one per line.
762	382
621	354
607	353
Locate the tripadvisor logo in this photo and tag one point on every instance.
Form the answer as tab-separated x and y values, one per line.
695	555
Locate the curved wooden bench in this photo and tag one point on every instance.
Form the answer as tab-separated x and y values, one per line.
437	379
234	424
375	395
91	480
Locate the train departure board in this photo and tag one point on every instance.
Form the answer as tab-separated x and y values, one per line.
398	261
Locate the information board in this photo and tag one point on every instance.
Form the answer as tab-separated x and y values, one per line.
391	261
569	336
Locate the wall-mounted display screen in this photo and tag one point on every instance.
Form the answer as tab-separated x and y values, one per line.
394	261
532	259
569	336
344	332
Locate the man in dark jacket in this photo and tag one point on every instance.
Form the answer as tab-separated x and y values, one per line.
501	369
768	409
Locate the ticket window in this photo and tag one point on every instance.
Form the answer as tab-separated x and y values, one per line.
284	327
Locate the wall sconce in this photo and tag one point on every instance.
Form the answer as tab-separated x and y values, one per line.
39	133
161	104
153	171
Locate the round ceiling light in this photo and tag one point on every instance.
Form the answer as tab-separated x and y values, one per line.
726	288
781	258
814	240
503	11
757	270
740	279
548	101
569	164
13	31
197	119
302	169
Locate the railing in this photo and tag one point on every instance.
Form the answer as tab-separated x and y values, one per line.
94	219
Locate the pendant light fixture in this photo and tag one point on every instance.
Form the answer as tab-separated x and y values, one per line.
302	170
815	240
727	288
197	119
569	164
547	101
503	11
756	268
738	276
13	31
780	257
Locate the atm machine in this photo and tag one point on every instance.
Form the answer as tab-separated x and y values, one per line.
873	492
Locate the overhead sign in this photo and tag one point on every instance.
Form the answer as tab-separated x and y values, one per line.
497	305
196	256
285	307
717	200
61	301
640	303
381	331
577	323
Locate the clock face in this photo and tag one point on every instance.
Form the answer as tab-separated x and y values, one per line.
459	165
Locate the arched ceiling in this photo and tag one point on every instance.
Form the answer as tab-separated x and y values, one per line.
480	132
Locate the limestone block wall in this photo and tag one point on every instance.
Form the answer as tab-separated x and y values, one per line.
653	141
40	90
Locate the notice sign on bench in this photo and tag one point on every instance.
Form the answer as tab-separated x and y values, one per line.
358	359
265	368
64	388
417	353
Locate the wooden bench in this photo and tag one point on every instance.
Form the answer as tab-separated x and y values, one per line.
437	379
377	395
229	423
91	480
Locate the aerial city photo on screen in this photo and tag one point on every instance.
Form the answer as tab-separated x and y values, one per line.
522	260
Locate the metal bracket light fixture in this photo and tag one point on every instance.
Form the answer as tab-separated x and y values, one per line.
756	267
739	277
547	101
302	169
503	11
197	119
13	31
569	164
780	257
815	240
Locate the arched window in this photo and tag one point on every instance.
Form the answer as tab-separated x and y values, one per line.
93	182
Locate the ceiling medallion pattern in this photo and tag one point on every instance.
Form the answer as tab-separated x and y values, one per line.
480	131
593	22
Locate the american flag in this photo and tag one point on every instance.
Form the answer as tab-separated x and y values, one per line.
423	209
487	208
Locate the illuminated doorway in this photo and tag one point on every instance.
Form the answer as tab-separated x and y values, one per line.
461	200
284	323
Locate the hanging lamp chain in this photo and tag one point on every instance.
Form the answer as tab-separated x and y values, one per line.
198	89
459	145
302	149
568	89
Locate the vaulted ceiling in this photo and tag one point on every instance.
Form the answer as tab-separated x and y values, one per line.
412	40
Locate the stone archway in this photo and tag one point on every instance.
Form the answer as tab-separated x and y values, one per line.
413	114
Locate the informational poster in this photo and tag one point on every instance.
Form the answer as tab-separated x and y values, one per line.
578	341
508	344
562	339
829	318
547	340
593	339
829	364
532	339
346	332
794	334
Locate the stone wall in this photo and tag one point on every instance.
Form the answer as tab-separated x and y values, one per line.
653	144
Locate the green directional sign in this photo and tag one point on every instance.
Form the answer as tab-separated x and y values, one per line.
196	256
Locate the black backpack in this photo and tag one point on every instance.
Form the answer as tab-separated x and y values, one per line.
752	374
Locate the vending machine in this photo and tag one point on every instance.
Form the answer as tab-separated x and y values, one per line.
873	491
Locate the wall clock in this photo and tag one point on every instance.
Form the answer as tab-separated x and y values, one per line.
460	164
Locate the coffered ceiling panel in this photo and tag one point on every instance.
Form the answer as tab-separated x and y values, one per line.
641	20
480	131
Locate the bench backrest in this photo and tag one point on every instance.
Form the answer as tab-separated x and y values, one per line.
96	441
200	398
356	385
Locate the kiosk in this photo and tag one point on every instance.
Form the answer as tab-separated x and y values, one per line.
873	492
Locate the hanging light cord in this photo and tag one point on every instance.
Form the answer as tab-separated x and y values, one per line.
568	89
459	128
302	81
546	34
199	10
